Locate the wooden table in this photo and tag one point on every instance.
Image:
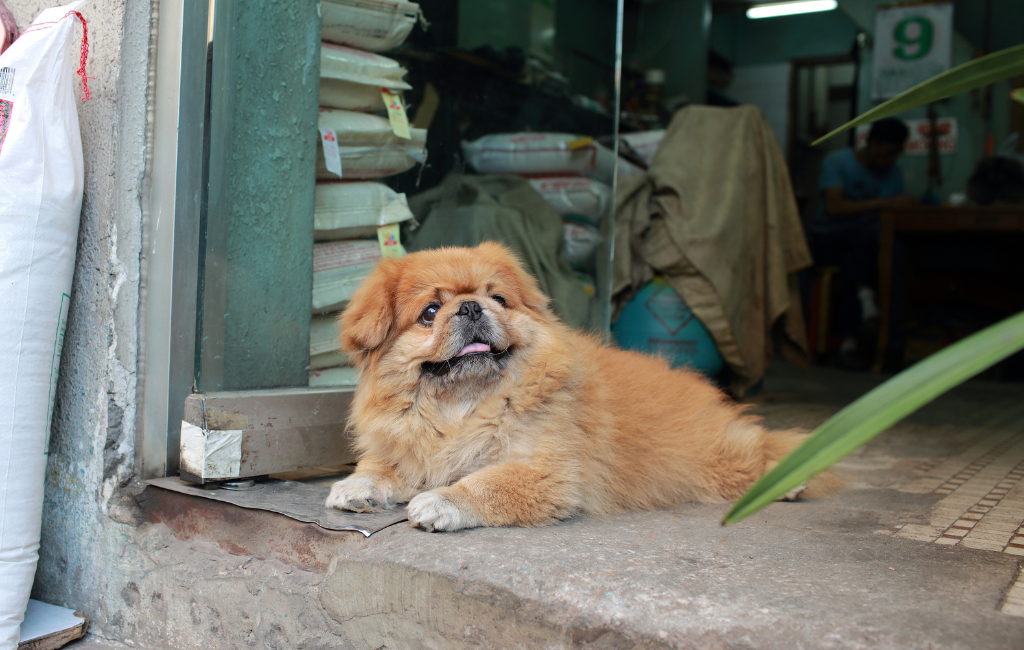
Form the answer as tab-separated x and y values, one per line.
931	219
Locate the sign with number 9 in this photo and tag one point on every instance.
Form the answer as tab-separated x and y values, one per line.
912	43
913	38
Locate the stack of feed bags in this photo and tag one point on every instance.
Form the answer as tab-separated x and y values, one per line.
344	215
571	172
583	202
360	146
339	267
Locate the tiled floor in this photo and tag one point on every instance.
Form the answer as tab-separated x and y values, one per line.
974	447
982	505
983	498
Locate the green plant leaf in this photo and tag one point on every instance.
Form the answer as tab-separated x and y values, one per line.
973	74
881	408
1017	95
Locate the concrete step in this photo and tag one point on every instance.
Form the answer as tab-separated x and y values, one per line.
806	574
857	569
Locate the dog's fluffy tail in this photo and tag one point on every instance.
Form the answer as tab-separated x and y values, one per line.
778	444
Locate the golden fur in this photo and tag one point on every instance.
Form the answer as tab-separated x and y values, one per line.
548	424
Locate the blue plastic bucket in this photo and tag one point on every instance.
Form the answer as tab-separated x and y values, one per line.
657	321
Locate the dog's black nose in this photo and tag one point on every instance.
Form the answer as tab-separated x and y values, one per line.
471	309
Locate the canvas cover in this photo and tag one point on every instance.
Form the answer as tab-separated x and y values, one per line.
716	216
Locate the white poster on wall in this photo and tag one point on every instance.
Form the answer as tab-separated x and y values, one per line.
912	44
920	140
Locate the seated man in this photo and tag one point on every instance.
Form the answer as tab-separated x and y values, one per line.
855	186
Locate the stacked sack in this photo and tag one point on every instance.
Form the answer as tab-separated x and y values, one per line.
572	173
644	143
366	146
356	218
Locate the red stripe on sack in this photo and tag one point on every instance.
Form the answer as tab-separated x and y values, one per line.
85	46
84	56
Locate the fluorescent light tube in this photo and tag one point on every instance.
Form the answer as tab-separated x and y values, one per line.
789	8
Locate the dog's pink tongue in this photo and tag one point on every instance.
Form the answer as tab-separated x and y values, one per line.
474	347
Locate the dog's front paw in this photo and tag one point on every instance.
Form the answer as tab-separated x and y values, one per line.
432	511
795	493
359	494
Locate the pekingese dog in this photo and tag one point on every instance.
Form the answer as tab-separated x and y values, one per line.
478	407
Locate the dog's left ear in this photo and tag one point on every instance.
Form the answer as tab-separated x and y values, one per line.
366	321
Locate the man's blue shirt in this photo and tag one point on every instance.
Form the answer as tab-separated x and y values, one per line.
859	183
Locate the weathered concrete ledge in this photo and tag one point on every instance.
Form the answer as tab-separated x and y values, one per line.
806	575
847	571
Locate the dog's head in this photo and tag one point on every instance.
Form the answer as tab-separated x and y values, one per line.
444	318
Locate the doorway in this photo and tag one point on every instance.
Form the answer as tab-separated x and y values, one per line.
822	98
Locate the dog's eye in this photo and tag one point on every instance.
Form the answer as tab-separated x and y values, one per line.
429	313
498	299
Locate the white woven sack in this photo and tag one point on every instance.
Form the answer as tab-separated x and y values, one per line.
645	143
353	210
354	128
530	153
337	376
339	267
580	242
607	165
574	195
325	344
371	25
367	146
323	337
352	79
40	203
360	163
350	95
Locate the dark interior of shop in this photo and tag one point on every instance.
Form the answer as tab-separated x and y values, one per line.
486	72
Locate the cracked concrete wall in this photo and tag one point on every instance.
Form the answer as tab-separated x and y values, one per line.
93	430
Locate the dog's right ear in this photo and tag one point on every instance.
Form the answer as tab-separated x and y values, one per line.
366	321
